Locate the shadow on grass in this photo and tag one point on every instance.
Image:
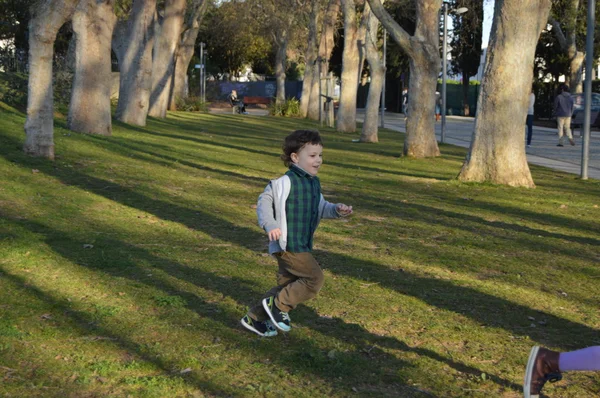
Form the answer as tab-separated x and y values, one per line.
139	153
252	239
369	363
86	324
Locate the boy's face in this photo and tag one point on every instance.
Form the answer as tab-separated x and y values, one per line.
309	158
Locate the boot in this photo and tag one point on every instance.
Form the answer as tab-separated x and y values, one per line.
542	366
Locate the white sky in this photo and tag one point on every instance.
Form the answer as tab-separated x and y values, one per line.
488	14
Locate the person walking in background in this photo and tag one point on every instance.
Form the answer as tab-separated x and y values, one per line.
546	365
405	102
438	106
563	110
530	117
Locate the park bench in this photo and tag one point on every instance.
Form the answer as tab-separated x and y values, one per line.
578	121
257	100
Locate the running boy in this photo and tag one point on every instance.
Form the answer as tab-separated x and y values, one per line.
289	210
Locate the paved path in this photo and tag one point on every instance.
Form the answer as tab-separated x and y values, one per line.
543	150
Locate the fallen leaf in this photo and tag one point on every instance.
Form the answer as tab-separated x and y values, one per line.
46	316
186	370
563	206
253	207
35	171
88	246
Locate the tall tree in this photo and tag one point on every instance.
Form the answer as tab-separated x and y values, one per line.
133	39
326	44
567	12
311	70
370	126
352	61
466	44
168	31
89	108
497	152
422	49
185	50
47	18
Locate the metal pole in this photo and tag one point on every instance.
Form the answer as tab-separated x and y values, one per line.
383	90
444	67
200	72
589	65
320	94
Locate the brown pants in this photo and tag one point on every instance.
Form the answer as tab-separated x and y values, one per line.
298	280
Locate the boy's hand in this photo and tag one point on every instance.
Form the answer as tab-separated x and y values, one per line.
343	210
274	234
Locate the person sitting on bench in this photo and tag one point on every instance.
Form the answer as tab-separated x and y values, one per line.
235	101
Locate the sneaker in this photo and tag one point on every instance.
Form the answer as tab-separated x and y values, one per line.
245	113
280	319
572	141
542	366
264	328
559	144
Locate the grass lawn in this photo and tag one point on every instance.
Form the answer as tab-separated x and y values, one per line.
127	263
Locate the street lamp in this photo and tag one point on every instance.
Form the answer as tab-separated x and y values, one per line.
457	11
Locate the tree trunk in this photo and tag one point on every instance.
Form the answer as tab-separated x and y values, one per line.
568	43
465	90
89	109
163	59
47	18
133	42
346	117
325	49
370	126
497	151
424	58
576	72
185	52
311	70
281	42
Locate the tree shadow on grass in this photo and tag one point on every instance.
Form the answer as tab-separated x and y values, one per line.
293	352
86	324
140	153
459	298
301	354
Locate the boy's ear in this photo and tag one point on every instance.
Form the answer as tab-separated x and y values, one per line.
294	157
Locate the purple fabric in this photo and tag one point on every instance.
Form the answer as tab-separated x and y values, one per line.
584	359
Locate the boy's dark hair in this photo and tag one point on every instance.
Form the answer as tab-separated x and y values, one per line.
564	88
296	140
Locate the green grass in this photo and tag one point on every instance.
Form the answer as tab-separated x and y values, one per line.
126	264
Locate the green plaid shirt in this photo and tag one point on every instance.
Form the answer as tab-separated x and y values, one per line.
302	210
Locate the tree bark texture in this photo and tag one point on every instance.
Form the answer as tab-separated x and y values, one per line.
497	152
346	117
281	42
311	70
370	126
89	108
47	18
163	59
133	41
326	44
185	52
424	59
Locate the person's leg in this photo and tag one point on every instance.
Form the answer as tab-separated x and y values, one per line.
561	122
529	128
284	278
586	359
568	130
309	281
